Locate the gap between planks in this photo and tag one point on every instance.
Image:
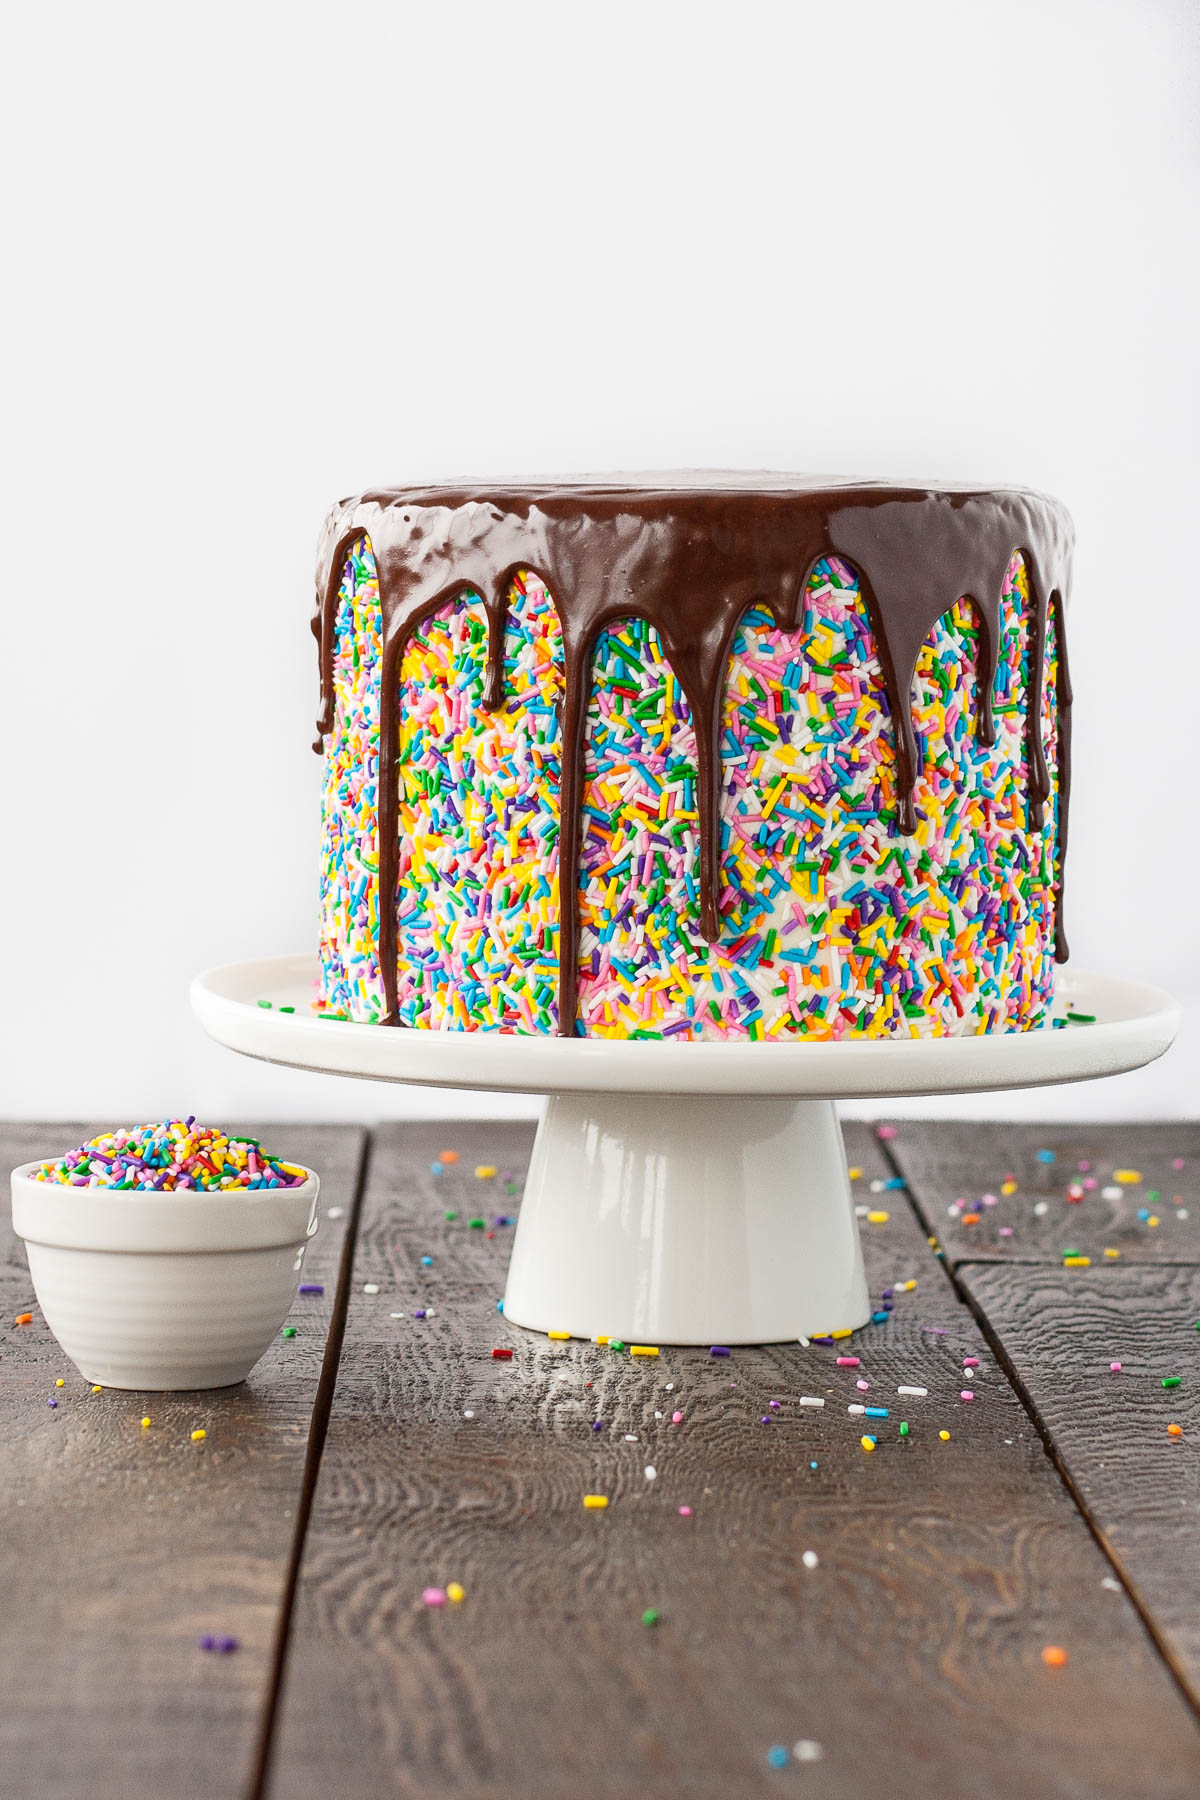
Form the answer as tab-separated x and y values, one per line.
260	1768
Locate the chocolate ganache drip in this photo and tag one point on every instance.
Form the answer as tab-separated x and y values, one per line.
690	554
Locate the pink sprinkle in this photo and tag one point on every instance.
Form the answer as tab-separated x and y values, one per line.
885	1132
1084	1165
970	1362
989	1199
1090	1183
677	1419
966	1394
1177	1162
773	1405
1115	1367
1006	1231
862	1386
434	1596
848	1362
685	1512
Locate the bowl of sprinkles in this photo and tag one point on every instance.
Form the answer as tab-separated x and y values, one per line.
165	1256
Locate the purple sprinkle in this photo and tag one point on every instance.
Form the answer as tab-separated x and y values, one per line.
766	1419
420	1313
718	1350
773	1405
887	1293
226	1644
208	1642
598	1425
52	1403
311	1287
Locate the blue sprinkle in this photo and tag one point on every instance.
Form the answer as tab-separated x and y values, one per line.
427	1262
499	1306
880	1318
875	1412
778	1756
1047	1156
437	1168
896	1182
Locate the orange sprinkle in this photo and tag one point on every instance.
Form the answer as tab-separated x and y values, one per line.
971	1218
1174	1430
1054	1656
448	1156
23	1319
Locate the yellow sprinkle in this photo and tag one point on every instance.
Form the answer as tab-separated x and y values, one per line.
558	1334
59	1382
945	1436
484	1171
1076	1262
96	1388
1008	1187
600	1340
146	1423
595	1502
1153	1219
846	1331
867	1443
856	1174
198	1434
878	1218
1126	1177
455	1592
1110	1252
643	1349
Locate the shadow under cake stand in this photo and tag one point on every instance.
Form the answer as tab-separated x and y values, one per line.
685	1193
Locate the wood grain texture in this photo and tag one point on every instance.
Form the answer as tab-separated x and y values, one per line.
912	1652
1060	1329
121	1547
947	1163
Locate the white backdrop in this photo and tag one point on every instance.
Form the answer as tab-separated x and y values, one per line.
261	256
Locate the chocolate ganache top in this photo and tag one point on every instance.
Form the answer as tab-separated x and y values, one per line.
690	553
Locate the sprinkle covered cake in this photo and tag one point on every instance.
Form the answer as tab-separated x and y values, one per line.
693	756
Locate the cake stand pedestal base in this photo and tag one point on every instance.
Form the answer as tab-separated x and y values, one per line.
687	1219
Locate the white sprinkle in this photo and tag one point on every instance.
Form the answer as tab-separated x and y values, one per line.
670	1387
659	1415
1111	1583
335	1212
808	1750
1041	1208
1111	1193
920	1393
1181	1212
860	1212
877	1187
397	1315
370	1287
468	1415
804	1341
631	1437
809	1559
651	1472
855	1411
811	1400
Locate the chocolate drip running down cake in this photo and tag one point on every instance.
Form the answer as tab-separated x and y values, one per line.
694	756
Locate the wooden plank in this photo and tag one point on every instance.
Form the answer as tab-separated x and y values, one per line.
120	1547
946	1164
1059	1330
912	1651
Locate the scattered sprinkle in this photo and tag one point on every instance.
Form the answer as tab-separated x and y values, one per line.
595	1502
199	1434
455	1592
1054	1656
810	1559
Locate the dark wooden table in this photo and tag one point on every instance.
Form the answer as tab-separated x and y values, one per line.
890	1607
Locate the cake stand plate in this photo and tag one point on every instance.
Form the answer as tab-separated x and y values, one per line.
684	1193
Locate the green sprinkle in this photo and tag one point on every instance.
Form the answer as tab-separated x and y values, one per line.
451	1216
475	1224
289	1331
265	1003
1172	1380
290	1009
616	1343
904	1428
1078	1018
650	1616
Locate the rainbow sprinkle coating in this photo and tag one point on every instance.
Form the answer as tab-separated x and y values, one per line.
168	1158
833	924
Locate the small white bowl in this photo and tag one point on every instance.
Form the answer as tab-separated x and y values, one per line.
162	1291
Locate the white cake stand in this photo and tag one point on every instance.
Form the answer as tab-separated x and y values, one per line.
684	1193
